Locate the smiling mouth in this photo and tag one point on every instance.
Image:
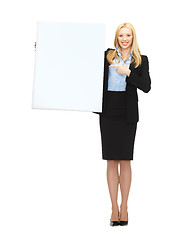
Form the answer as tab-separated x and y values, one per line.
124	43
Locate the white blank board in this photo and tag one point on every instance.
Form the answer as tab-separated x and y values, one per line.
69	65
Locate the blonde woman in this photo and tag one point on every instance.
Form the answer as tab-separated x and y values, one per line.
125	71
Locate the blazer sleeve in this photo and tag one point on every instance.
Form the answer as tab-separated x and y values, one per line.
143	82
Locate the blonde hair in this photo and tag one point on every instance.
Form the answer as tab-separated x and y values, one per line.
136	55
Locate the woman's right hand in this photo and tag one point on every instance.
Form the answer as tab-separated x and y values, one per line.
35	45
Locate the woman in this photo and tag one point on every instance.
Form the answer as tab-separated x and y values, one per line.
125	71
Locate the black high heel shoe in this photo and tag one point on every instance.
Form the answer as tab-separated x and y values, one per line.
115	223
123	223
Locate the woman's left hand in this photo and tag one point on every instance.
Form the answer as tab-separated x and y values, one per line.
122	69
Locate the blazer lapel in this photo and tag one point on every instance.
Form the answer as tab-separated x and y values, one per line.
131	66
106	75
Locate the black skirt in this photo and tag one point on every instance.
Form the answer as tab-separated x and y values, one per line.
117	136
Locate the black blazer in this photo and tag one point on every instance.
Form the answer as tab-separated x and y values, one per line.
138	78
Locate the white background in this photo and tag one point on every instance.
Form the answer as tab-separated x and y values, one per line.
52	177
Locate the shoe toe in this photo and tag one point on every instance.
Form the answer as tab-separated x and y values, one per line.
123	223
114	223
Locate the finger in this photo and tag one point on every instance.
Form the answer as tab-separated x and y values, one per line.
113	66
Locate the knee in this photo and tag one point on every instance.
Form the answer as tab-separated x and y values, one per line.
125	164
112	163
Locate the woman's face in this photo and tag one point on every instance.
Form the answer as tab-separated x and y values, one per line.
125	38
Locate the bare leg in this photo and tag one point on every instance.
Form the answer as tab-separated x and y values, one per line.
113	182
125	184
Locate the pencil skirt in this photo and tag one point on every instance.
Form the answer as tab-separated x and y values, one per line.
117	135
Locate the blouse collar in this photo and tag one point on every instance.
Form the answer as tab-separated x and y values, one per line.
119	54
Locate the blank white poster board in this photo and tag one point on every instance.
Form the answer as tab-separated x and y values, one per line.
69	66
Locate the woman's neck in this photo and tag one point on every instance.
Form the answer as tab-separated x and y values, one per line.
125	52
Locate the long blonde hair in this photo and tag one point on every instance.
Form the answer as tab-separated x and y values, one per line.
136	55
